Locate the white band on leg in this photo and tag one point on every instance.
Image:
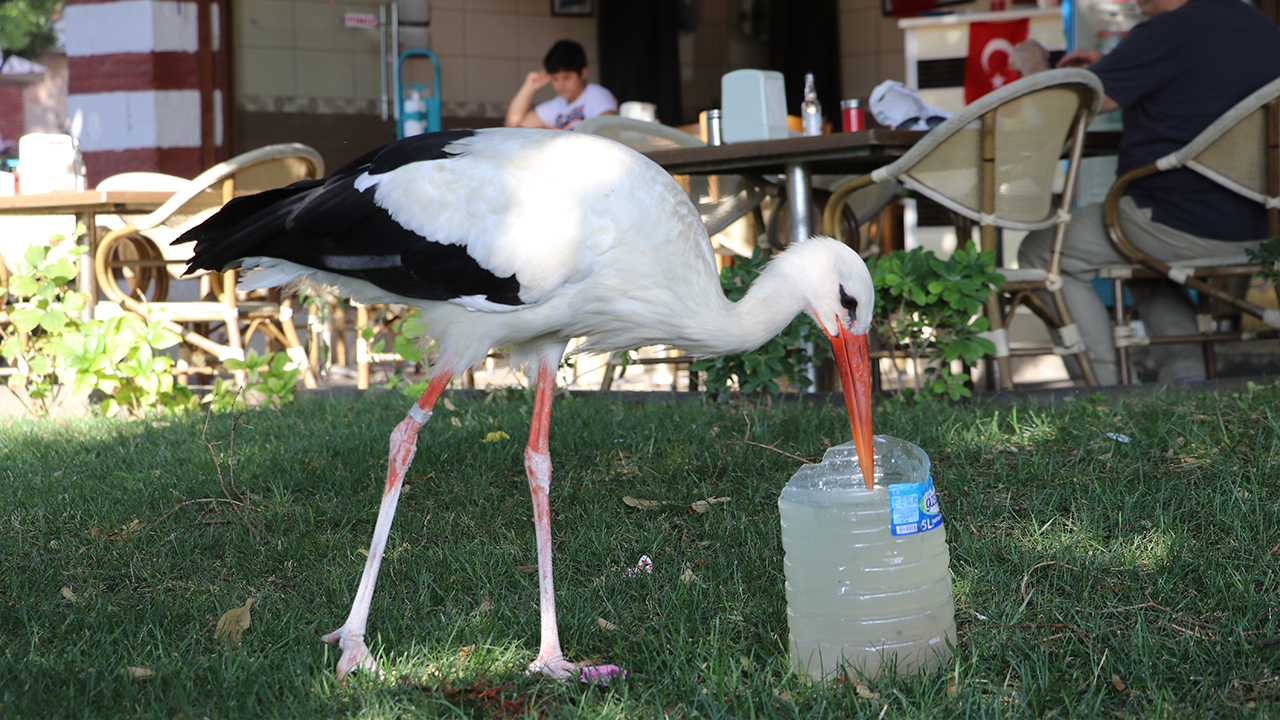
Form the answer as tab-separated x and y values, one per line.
419	415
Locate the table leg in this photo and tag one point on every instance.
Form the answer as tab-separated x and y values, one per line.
88	282
799	194
800	224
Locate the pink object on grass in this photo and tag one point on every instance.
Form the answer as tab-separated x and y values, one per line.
601	674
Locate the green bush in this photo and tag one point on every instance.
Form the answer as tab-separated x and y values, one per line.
113	362
930	309
1268	256
51	347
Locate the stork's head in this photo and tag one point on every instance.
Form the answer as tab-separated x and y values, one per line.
841	298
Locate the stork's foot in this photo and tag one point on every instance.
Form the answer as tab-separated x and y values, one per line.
555	667
561	669
355	654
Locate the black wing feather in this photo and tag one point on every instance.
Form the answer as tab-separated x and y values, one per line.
329	225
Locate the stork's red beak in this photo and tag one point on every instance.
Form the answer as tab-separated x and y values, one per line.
854	366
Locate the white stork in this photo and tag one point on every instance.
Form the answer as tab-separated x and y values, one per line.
526	239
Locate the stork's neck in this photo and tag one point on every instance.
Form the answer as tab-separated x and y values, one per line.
771	303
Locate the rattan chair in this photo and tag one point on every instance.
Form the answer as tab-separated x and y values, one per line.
1241	152
994	163
135	264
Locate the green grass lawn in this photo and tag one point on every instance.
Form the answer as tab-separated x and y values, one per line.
1092	577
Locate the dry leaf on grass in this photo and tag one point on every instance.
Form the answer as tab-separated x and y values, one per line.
859	687
96	532
702	506
644	504
698	506
1115	680
233	623
688	577
863	691
527	568
606	625
66	593
139	673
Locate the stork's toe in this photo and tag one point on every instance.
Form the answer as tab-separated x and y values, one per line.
355	654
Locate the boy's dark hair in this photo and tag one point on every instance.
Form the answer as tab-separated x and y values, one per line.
565	55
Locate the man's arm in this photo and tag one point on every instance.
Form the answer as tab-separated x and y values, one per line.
519	112
1083	59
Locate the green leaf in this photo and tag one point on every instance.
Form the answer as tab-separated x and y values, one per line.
23	286
61	271
35	255
40	365
75	302
26	319
53	320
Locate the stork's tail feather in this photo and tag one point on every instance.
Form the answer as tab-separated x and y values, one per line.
233	232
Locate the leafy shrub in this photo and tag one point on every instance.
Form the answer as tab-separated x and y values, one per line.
112	361
1268	256
930	308
51	347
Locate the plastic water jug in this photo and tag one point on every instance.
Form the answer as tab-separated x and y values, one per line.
868	576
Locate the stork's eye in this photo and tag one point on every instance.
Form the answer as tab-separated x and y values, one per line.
848	303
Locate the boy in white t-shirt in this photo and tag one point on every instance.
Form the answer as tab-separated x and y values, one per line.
575	100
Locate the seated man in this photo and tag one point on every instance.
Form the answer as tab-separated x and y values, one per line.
1173	75
575	101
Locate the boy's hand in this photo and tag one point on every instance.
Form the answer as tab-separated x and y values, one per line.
536	80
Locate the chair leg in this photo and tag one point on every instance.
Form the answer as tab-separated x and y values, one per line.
1207	328
1002	368
232	317
609	367
1070	335
293	344
1122	350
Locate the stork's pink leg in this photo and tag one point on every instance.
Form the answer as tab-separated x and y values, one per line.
404	442
537	463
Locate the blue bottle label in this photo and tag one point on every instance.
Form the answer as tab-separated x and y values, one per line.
913	508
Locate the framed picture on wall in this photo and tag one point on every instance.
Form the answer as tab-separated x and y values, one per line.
575	8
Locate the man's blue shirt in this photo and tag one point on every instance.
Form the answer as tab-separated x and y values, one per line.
1174	75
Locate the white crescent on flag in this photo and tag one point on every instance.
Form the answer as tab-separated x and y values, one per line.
993	46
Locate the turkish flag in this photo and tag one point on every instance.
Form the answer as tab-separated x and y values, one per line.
990	47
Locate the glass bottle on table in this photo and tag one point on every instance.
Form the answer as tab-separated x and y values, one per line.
810	109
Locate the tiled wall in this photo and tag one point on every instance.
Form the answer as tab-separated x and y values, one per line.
294	56
870	48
